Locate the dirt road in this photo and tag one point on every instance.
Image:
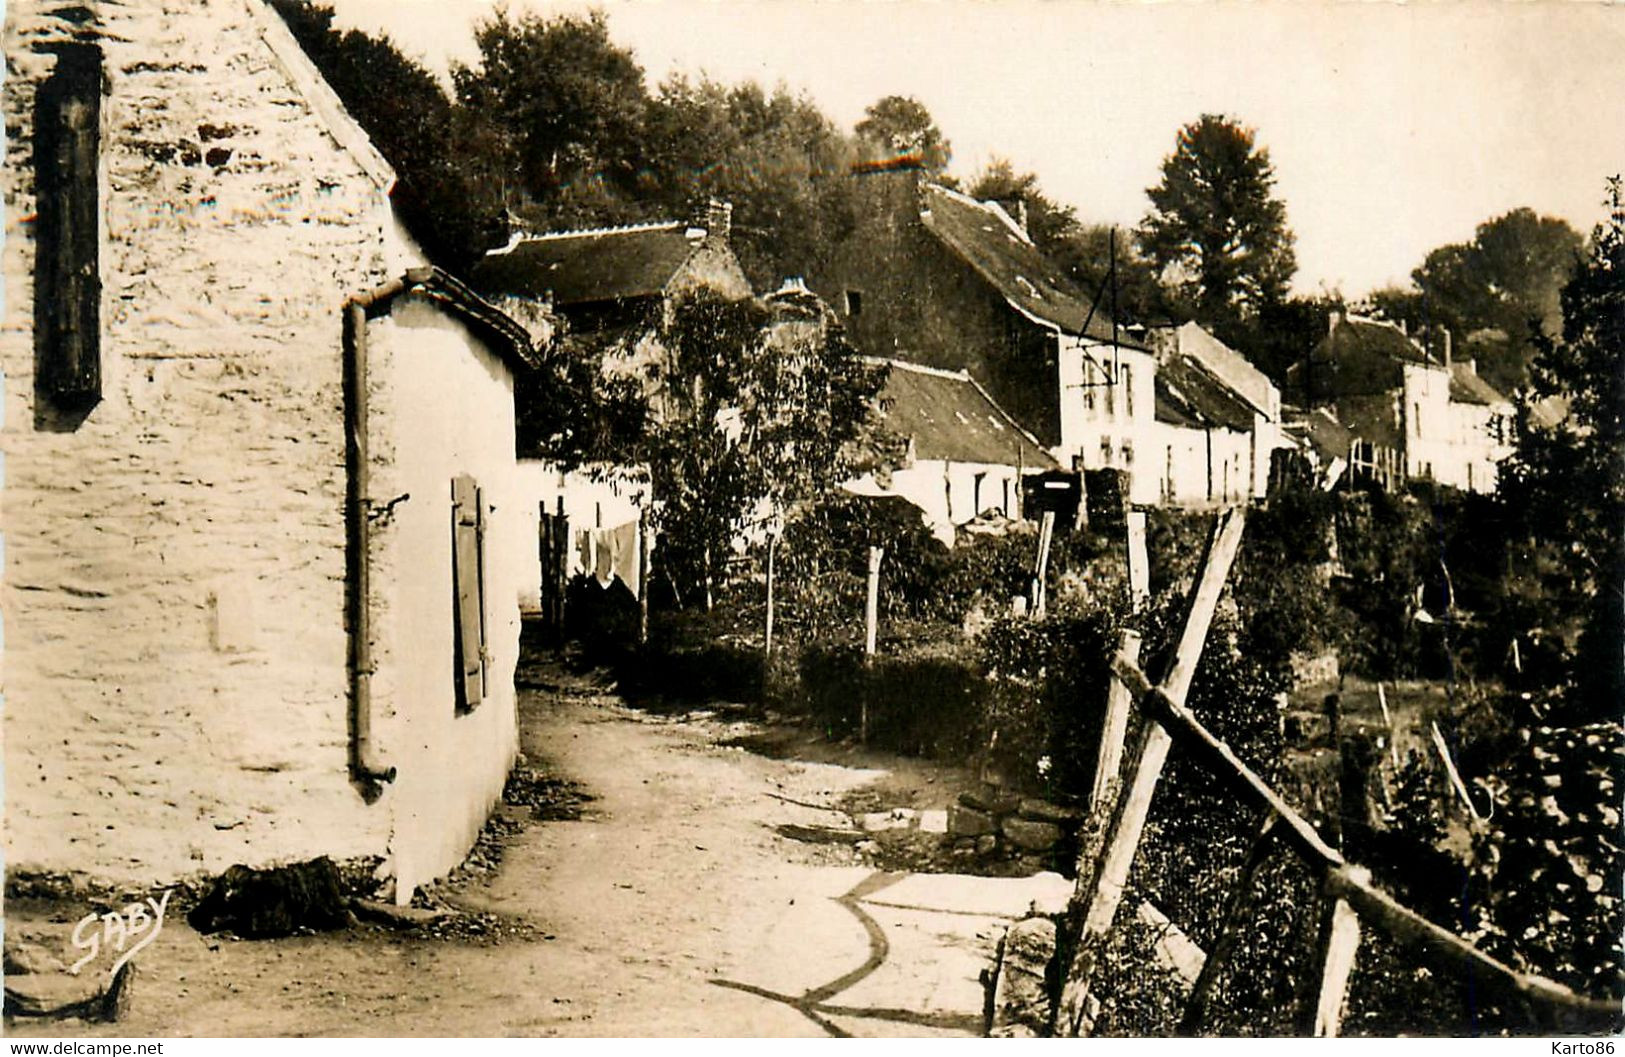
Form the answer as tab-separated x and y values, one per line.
672	907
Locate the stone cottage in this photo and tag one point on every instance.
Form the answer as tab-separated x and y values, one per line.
260	536
934	277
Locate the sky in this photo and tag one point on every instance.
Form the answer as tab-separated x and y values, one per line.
1393	128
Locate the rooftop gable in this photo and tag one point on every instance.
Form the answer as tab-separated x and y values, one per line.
1189	395
948	416
986	238
598	264
1231	368
1466	387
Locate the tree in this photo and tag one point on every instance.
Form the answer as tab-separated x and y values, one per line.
1493	294
1215	226
775	157
570	106
450	186
756	417
1568	480
901	124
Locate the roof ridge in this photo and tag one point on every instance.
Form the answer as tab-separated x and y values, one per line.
520	238
960	375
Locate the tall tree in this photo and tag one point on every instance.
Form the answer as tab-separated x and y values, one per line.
1568	480
1495	293
570	106
1215	226
756	417
900	124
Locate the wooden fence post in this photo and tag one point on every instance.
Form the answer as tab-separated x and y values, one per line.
1337	944
767	635
1046	535
871	627
643	577
1114	728
1139	566
1101	878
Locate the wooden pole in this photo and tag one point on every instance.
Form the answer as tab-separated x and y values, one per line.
1139	565
1230	930
871	627
643	577
1456	783
1046	534
767	636
1435	947
1339	941
1388	723
1100	883
1114	728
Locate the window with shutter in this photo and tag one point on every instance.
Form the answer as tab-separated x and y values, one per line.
468	590
67	279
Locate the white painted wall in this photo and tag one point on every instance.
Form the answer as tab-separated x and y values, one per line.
443	406
1111	426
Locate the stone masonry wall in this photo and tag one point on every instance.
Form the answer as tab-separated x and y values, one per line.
175	682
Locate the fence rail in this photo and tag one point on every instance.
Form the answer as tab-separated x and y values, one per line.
1352	900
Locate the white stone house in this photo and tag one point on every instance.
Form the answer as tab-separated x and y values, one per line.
965	456
263	548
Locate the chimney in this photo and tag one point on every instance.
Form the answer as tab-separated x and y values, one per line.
718	220
1021	215
1446	346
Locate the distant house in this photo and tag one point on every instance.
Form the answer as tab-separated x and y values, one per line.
262	554
1206	438
1412	416
933	277
965	455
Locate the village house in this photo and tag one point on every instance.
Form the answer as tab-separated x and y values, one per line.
263	538
1413	415
965	456
933	277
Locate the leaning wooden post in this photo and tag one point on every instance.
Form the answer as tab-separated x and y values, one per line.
1388	723
1114	728
1103	865
871	627
1338	942
767	634
1235	912
1046	535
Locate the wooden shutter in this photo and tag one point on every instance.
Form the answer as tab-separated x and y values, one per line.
468	617
67	287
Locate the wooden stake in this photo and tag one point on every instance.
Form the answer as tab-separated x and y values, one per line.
1240	897
1388	722
1100	883
1139	565
1046	534
643	577
1114	728
1338	942
767	637
1450	769
871	622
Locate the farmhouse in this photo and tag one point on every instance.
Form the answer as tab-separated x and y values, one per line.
965	455
934	277
1413	415
263	543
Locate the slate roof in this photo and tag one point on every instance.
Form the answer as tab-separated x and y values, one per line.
581	267
985	237
1322	432
1189	395
1361	357
1466	387
950	417
1231	368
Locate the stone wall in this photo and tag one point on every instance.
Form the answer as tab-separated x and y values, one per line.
174	574
921	302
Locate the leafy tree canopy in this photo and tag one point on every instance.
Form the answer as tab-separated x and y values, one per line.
900	124
1493	294
1215	228
1568	481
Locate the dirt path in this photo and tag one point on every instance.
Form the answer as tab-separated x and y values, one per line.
671	907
